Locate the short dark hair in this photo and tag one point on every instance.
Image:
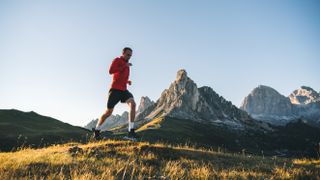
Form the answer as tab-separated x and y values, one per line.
126	48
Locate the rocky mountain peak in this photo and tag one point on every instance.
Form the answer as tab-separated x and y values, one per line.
266	104
184	100
180	97
304	95
182	82
145	102
265	90
265	100
182	76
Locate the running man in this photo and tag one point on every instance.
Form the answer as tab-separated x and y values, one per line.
120	70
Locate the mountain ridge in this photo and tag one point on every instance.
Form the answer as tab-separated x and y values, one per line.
266	104
184	100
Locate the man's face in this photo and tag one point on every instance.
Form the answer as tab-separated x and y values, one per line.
127	54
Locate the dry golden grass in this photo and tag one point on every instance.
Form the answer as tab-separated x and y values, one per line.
155	123
114	159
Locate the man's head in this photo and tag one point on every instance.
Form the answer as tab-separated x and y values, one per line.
127	53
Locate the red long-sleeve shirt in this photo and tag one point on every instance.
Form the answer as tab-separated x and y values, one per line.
120	73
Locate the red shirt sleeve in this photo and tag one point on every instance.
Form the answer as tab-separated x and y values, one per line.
116	66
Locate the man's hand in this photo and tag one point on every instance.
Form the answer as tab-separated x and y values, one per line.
129	64
129	82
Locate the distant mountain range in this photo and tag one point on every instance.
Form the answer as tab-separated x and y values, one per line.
111	122
266	104
23	129
184	100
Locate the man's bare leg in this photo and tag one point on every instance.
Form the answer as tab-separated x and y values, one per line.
104	116
132	112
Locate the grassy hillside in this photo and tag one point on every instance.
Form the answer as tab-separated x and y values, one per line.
19	128
118	159
180	131
295	139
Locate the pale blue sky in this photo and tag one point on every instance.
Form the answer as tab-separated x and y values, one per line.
54	55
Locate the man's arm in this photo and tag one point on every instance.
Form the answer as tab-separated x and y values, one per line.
116	66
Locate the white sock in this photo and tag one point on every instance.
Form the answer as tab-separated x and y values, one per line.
131	125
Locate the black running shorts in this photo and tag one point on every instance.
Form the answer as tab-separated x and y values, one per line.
116	95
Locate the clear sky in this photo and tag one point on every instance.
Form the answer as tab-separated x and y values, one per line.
54	55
